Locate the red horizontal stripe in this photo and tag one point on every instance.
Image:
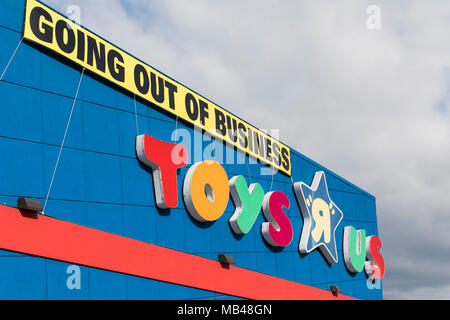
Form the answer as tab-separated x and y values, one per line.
60	240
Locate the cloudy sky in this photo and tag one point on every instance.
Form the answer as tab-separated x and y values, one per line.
370	104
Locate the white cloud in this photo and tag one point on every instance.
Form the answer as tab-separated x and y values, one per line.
370	97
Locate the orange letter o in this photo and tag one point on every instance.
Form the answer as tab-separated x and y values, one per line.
206	191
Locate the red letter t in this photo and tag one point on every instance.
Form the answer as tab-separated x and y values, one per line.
164	158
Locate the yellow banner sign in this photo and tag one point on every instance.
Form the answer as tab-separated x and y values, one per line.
54	31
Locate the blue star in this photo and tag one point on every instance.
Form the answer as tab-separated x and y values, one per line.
321	217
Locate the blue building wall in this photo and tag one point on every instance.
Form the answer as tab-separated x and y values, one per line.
101	184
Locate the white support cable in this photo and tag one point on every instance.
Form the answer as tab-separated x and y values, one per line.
136	115
248	169
176	129
11	59
63	141
271	184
